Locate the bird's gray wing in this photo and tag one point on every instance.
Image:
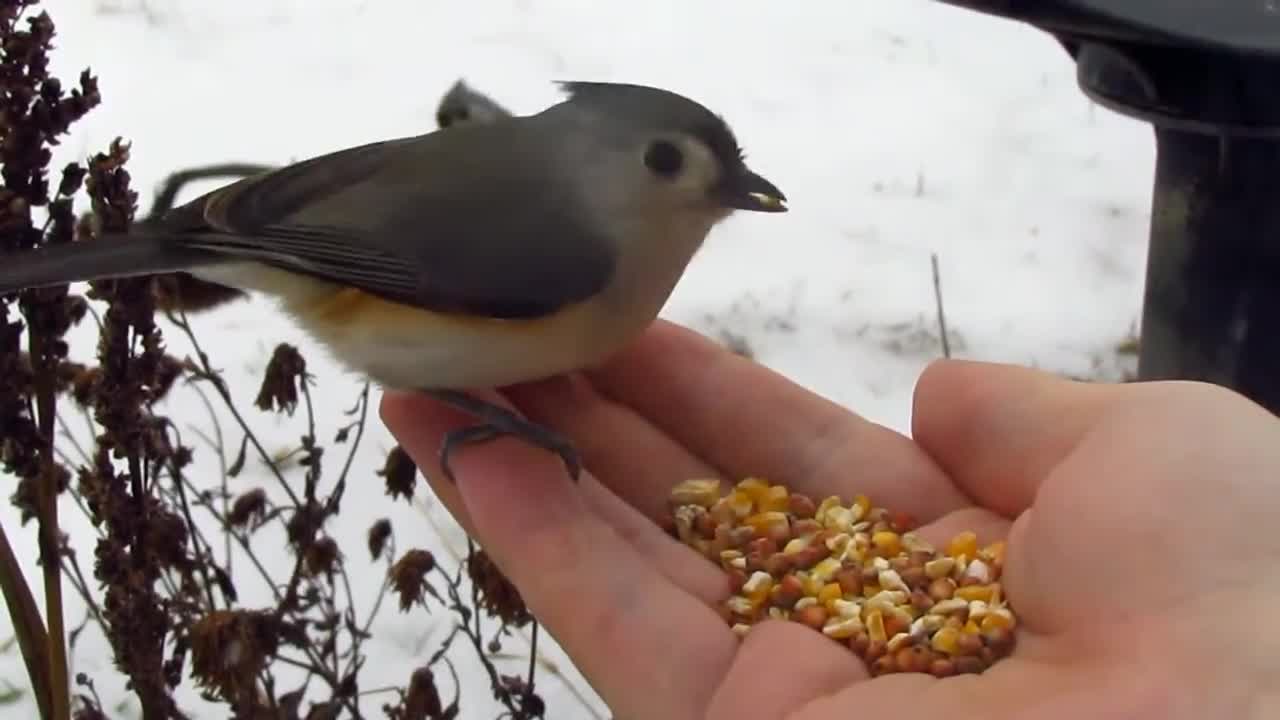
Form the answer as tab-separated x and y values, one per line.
417	221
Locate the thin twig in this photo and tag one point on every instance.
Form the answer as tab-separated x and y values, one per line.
210	375
937	298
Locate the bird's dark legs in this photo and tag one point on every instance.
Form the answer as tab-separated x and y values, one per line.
496	422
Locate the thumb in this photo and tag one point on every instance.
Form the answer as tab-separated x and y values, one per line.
997	430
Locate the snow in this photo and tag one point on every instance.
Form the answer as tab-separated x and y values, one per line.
897	130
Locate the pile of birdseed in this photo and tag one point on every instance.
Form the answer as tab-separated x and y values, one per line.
856	573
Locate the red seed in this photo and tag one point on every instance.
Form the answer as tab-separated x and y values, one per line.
802	506
815	616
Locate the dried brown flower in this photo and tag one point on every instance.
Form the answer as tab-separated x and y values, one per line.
248	507
280	383
401	473
409	577
497	595
422	700
229	648
321	556
379	533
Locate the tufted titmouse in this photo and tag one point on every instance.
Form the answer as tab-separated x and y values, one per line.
485	255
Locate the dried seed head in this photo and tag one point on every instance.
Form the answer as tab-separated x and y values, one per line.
250	506
498	596
400	472
285	371
321	556
379	533
422	699
409	576
230	647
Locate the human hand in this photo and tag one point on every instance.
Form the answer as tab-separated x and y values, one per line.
1138	559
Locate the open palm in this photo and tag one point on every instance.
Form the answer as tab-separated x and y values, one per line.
1136	560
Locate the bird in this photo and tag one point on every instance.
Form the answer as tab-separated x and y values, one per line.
474	257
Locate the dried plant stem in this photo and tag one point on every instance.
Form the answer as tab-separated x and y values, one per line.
937	298
28	628
50	544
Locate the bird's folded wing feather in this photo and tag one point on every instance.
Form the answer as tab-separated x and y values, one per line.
415	221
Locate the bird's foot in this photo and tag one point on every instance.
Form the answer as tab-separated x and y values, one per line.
496	422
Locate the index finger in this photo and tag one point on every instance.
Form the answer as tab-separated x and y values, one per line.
747	420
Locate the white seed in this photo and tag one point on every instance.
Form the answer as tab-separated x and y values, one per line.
758	581
805	602
914	543
886	601
837	543
837	518
841	627
978	610
740	605
861	527
846	608
739	563
777	613
880	564
948	606
979	571
897	642
741	629
891	580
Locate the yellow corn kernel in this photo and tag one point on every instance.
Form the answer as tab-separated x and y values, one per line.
825	570
997	593
870	590
755	488
776	499
939	568
740	503
812	586
963	545
860	507
994	553
887	543
763	522
946	640
828	593
875	626
795	545
974	592
998	619
971	628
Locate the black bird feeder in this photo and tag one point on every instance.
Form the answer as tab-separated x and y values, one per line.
1206	75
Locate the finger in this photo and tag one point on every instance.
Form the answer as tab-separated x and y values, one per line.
606	604
748	420
997	430
419	424
637	460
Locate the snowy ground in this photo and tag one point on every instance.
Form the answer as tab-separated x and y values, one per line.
898	129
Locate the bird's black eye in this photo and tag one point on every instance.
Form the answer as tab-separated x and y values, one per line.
664	158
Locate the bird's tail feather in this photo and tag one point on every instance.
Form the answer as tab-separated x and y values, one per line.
110	256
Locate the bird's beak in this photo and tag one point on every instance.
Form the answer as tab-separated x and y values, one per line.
746	190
